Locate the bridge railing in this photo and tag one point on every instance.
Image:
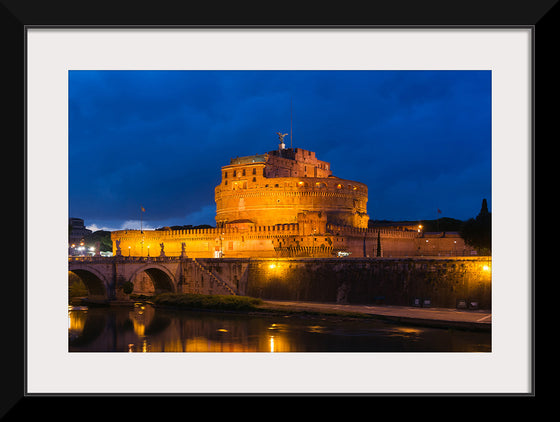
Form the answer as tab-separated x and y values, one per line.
122	258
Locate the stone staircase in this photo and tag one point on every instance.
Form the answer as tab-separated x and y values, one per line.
217	279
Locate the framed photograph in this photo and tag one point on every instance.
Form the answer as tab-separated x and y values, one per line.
62	60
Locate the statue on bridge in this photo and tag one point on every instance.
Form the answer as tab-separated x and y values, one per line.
162	252
183	252
118	247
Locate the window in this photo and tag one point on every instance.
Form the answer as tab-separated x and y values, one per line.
254	170
225	174
234	173
243	172
254	179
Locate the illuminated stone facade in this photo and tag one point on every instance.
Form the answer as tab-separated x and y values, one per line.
285	203
276	187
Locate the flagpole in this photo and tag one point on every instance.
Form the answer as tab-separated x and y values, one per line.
291	144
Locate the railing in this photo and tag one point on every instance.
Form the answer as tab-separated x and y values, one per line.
387	233
218	280
122	258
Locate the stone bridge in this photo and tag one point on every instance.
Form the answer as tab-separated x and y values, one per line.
105	276
392	281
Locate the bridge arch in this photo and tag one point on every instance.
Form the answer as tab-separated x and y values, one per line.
94	281
162	279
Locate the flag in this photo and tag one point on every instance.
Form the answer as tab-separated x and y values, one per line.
143	210
439	211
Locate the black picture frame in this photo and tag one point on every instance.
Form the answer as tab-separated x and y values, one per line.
19	15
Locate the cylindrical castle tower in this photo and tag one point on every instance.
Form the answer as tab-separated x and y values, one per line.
274	188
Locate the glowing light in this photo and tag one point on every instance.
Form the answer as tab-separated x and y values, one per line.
485	268
272	266
271	344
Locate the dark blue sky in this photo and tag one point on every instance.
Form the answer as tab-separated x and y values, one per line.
420	140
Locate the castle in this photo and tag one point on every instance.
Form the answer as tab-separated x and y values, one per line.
286	203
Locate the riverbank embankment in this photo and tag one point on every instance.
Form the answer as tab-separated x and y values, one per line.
450	318
480	320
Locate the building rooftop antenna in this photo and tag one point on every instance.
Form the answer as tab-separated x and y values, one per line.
291	123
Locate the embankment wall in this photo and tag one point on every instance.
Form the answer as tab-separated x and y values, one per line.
390	281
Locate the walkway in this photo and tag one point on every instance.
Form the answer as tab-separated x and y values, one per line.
437	317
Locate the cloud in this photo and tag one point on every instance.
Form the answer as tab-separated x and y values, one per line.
127	225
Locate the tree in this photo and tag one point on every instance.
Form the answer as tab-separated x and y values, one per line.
477	232
101	236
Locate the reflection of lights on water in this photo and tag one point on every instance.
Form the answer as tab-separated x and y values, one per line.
222	330
408	331
272	344
144	346
76	320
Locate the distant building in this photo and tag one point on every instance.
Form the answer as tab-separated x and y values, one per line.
76	231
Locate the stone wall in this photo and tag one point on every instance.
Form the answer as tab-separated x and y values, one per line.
390	281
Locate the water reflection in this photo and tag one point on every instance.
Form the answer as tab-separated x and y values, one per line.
144	329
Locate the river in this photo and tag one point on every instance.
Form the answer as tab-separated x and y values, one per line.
143	328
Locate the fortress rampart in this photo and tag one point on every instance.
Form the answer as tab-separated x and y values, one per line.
304	239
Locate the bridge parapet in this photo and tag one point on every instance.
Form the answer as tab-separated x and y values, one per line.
122	258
